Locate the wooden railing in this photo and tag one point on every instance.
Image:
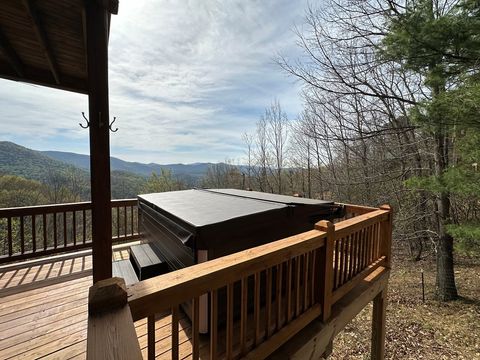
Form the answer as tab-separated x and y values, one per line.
29	232
269	293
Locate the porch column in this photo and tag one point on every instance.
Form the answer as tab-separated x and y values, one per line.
97	27
378	325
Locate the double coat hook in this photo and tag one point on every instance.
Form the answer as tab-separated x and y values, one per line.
101	123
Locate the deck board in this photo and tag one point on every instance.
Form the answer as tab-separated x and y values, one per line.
43	312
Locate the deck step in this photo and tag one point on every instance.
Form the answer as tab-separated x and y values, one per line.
146	261
124	269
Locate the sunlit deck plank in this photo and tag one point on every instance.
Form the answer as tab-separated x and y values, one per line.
50	321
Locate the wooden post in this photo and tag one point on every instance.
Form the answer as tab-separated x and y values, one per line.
97	20
111	331
326	266
378	325
386	228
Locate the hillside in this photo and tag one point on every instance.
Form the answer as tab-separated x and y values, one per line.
183	171
30	164
35	165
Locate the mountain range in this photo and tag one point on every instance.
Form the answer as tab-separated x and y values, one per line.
32	164
194	171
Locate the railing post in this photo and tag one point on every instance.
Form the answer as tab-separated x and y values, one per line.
111	331
386	228
326	268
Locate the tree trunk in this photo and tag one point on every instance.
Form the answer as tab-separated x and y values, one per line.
446	288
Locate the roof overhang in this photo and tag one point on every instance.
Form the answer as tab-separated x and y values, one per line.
44	41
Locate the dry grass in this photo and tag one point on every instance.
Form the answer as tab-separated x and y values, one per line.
417	330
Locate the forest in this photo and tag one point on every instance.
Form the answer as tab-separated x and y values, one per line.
390	115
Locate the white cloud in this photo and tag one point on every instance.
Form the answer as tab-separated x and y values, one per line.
186	79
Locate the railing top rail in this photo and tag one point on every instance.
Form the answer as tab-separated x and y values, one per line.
348	226
51	208
159	293
40	209
358	208
123	202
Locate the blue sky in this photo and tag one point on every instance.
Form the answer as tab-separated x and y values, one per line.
187	78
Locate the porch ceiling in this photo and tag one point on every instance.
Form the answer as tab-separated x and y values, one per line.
44	42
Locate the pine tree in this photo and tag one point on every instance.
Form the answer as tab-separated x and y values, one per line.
440	44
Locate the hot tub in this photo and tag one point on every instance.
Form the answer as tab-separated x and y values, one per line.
192	226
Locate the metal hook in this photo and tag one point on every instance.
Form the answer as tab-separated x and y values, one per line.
110	126
88	122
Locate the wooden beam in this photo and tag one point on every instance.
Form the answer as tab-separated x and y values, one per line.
42	38
98	103
43	77
12	57
378	325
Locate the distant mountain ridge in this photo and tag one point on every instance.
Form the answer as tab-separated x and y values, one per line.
28	163
35	165
193	171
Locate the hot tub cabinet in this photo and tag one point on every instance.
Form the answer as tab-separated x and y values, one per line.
192	226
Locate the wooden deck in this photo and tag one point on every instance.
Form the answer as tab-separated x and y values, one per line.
316	280
43	311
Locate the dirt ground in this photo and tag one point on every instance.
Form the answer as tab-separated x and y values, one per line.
417	330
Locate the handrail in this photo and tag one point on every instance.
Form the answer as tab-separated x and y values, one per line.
161	292
42	209
29	232
279	280
294	281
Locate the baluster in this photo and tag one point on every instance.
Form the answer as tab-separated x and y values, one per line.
340	261
278	297
243	315
195	325
256	307
9	236
268	302
289	291
125	221
351	255
367	247
74	227
213	324
298	266
55	240
312	278
118	222
370	236
175	332
346	251
34	235
355	253
360	260
64	229
372	243
44	220
336	265
84	225
22	236
229	334
151	336
305	281
131	218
